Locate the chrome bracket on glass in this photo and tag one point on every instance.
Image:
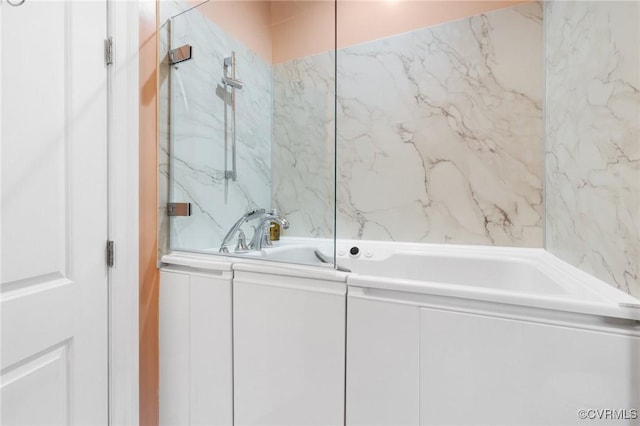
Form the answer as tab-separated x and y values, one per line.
180	54
178	209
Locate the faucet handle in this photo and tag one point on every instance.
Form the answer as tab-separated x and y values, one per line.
241	246
266	237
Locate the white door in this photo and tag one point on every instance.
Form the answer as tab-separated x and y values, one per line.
53	292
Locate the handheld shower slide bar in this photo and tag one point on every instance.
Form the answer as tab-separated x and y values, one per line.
231	81
230	62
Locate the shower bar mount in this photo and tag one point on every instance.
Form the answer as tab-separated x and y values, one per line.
231	81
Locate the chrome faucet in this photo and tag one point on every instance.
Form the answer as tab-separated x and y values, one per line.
241	247
261	235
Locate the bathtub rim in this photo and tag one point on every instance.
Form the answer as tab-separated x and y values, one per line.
609	301
528	300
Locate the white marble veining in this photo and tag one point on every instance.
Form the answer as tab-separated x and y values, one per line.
439	134
201	126
592	162
304	144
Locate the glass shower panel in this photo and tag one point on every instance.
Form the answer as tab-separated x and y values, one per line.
252	136
202	129
304	134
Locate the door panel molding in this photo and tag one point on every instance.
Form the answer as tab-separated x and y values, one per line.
17	288
53	401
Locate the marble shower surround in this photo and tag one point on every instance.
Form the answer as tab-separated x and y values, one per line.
421	163
197	145
439	135
592	159
304	144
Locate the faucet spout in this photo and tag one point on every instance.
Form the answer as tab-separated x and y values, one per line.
251	214
261	236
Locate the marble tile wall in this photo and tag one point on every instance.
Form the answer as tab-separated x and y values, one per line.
439	135
201	119
304	144
592	159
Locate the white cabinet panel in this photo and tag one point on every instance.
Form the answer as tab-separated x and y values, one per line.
195	348
211	351
174	347
382	363
478	369
289	336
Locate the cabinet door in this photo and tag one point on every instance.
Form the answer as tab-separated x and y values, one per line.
210	351
288	351
174	338
382	363
477	369
196	382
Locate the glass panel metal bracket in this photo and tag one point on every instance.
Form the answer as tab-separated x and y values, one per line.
180	54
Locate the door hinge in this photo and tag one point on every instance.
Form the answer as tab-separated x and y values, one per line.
110	254
108	51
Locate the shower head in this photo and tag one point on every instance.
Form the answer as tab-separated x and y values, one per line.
228	81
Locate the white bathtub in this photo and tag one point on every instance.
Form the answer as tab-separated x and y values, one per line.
481	335
438	334
516	276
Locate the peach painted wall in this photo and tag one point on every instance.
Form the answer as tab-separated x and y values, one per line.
247	20
279	31
360	21
149	275
302	28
